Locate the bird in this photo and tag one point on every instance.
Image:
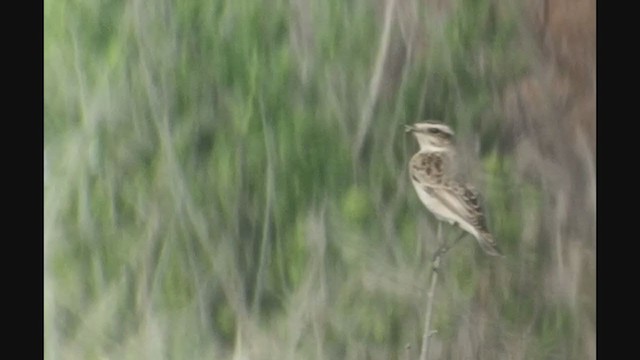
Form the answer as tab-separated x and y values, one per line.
432	171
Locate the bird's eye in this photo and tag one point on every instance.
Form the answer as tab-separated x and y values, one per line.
434	131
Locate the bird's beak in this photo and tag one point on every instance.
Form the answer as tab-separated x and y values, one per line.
409	128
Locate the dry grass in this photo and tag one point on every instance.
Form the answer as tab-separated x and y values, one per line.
204	198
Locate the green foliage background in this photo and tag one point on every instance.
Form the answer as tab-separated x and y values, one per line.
204	198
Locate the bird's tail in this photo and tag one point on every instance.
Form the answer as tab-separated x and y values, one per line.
488	244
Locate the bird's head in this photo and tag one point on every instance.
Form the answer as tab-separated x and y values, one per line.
431	136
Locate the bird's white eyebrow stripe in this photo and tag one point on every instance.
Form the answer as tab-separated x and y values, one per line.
426	126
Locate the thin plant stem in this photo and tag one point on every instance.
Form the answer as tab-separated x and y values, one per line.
376	80
426	336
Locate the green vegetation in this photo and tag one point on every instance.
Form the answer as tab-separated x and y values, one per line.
204	199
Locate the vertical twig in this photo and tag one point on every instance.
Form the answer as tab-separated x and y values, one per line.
265	242
427	321
426	336
376	80
434	279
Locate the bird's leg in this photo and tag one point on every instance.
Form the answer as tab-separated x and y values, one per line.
447	248
444	247
443	243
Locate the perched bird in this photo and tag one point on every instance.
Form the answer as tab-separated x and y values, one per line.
432	171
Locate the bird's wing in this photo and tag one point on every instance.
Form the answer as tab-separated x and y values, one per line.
432	171
463	200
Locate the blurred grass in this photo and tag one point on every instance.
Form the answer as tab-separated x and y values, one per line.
203	199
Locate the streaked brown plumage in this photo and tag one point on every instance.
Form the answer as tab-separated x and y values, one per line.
433	176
